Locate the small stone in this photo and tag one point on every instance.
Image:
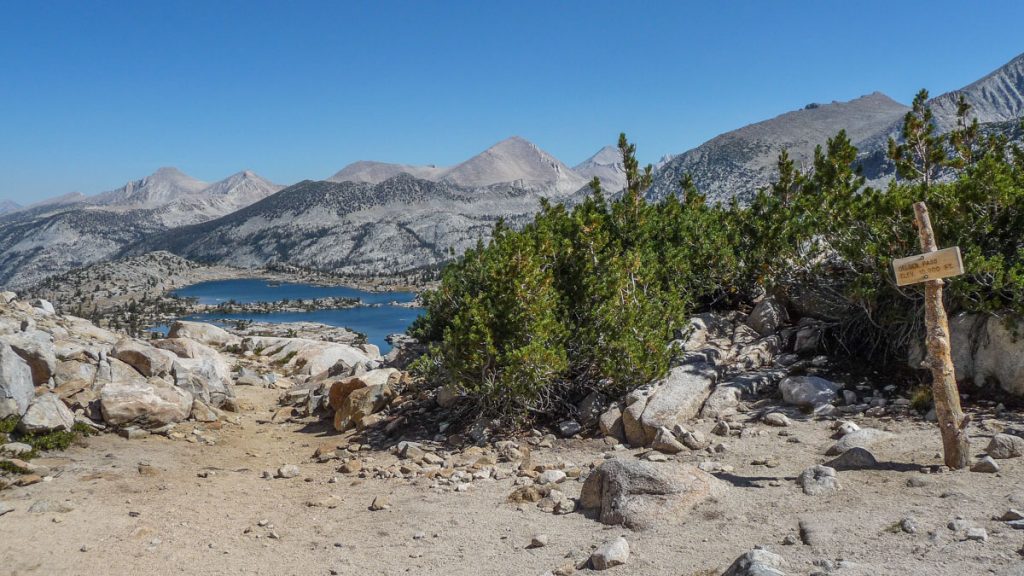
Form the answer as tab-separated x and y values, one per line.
551	477
288	471
908	525
665	441
380	503
538	541
569	428
790	540
721	428
986	465
977	534
610	554
958	524
1012	514
777	419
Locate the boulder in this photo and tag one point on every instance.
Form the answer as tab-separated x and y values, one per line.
16	385
151	403
611	424
44	305
36	348
631	426
361	403
677	398
313	358
757	563
640	495
147	360
340	389
1004	446
808	390
591	408
47	413
204	333
1000	358
863	438
816	301
666	442
404	349
819	481
855	458
767	316
199	369
74	373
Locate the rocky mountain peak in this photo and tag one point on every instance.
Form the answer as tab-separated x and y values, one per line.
516	159
606	164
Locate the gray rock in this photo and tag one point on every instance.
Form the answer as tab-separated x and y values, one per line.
909	525
288	471
819	481
47	413
16	385
757	563
863	438
855	458
767	316
676	398
151	403
610	554
665	441
808	390
551	477
611	424
777	419
985	464
640	494
43	305
147	360
977	534
36	348
15	448
569	428
204	333
538	541
1004	446
591	408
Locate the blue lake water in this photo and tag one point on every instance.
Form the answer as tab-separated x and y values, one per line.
375	321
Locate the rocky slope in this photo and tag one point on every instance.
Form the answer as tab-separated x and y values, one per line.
740	162
8	206
606	165
353	228
74	231
737	163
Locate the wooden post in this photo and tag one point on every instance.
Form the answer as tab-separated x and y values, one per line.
952	422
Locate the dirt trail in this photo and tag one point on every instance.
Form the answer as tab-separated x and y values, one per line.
105	516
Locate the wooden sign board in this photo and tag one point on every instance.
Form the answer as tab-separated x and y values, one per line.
930	266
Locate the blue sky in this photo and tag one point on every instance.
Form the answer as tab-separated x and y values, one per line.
93	94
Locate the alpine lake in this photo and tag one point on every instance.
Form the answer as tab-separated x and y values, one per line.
377	314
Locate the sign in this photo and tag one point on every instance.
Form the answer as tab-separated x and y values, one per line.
929	266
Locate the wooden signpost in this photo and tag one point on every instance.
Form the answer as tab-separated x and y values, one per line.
930	268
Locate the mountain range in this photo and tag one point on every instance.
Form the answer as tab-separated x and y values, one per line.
374	218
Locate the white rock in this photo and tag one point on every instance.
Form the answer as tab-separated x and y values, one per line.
46	413
16	386
610	554
808	390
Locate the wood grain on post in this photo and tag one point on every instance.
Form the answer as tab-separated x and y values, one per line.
952	423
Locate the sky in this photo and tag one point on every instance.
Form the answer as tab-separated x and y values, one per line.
93	94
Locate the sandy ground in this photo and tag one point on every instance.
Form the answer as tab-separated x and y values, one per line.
105	517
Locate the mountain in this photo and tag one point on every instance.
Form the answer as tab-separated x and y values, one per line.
369	172
997	97
353	228
72	231
8	206
739	162
606	165
223	197
518	161
513	161
162	187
